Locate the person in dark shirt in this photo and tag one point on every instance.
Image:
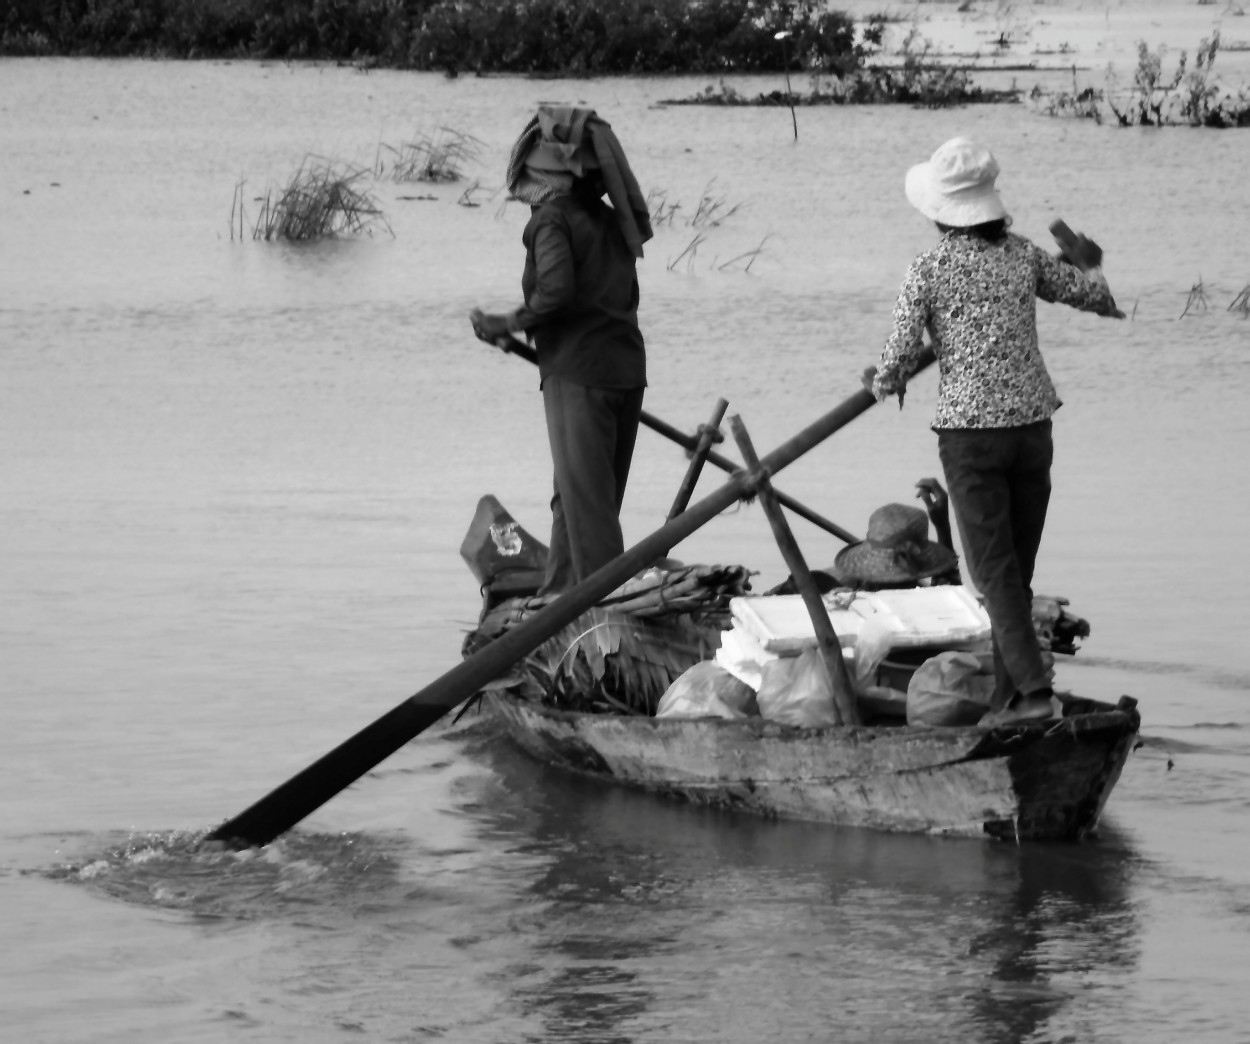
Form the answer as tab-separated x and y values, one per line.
580	290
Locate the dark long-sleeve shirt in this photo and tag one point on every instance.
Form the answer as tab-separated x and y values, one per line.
977	299
581	295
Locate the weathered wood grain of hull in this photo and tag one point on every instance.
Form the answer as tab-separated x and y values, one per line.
1040	781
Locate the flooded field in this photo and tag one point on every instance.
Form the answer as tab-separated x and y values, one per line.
236	476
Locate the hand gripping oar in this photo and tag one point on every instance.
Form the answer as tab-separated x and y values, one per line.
308	790
690	444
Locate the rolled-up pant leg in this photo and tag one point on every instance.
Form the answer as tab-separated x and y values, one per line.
999	483
592	432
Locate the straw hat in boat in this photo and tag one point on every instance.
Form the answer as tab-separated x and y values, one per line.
896	550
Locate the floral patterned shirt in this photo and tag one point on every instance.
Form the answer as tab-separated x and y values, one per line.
976	298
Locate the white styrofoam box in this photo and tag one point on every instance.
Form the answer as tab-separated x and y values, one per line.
912	616
781	623
742	655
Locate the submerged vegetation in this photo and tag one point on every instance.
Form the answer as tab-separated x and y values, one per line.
918	80
1187	96
1196	301
432	158
711	211
321	200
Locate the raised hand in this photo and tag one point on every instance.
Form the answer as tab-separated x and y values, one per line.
934	496
1075	247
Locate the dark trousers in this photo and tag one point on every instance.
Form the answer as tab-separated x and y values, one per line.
999	482
592	433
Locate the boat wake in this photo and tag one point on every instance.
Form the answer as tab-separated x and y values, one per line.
299	872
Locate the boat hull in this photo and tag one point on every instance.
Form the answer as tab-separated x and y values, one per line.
1043	781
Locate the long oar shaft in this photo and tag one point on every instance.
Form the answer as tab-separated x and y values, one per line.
690	443
307	791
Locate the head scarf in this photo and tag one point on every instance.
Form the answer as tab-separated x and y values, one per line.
535	186
561	143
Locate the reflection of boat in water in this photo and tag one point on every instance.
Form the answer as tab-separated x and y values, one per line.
585	702
670	915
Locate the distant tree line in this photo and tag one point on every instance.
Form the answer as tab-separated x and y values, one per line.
554	37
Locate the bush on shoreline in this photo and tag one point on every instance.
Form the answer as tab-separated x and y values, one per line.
553	37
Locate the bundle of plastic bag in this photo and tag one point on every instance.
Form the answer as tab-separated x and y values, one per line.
795	690
951	688
707	690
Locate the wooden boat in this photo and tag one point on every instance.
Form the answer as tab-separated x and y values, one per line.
1044	781
1036	781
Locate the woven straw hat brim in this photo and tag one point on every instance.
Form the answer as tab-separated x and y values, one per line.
867	562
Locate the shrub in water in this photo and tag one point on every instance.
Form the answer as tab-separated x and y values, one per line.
321	200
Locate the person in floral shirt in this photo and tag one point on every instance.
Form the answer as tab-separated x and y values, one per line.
975	293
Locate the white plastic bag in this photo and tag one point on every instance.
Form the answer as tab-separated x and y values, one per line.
951	688
795	691
873	645
707	690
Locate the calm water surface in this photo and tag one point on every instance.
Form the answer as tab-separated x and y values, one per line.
235	477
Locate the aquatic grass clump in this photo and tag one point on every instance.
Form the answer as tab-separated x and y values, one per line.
322	200
432	158
1192	97
1197	300
711	212
1079	103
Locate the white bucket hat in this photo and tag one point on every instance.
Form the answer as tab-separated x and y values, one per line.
956	186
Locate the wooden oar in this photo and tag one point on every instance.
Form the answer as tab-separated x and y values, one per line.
308	790
827	642
691	445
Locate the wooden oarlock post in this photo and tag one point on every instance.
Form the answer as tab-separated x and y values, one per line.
826	637
708	433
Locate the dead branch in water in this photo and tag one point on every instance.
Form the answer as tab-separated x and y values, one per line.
692	248
749	256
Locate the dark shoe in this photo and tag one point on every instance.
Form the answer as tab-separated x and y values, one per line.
1021	710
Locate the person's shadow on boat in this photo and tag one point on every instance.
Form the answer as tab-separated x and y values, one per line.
647	905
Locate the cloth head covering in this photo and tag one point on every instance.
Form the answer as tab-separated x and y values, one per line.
896	550
956	186
562	142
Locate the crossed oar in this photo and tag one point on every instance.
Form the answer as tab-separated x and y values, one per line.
691	445
308	790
